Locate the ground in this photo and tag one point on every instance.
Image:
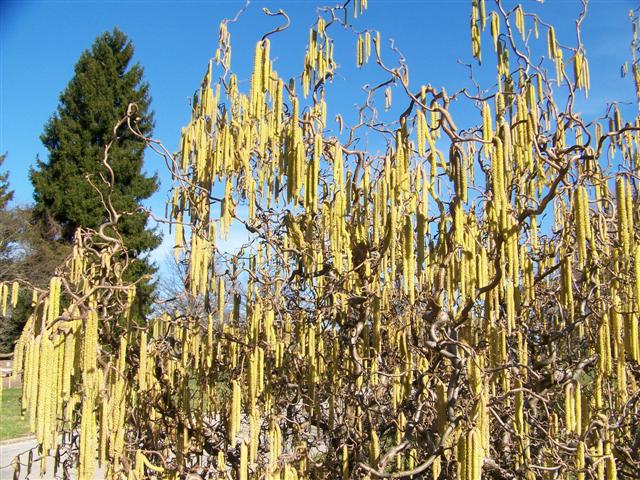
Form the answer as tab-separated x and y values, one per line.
12	424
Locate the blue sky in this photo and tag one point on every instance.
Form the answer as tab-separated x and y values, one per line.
40	41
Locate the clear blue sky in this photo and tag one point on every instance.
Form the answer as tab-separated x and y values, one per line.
40	41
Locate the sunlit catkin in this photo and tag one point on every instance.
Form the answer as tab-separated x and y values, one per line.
243	469
15	286
623	232
236	411
142	368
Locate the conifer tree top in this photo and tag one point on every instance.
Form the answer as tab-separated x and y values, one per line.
104	84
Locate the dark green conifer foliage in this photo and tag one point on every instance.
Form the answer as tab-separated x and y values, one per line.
95	99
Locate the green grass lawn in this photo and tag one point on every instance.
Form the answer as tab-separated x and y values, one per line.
12	424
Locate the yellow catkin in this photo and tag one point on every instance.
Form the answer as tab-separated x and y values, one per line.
552	47
221	288
87	440
254	434
4	294
345	462
421	125
487	128
243	468
578	409
519	414
256	79
637	274
462	454
629	205
520	21
236	411
266	65
43	387
580	461
31	380
374	448
623	232
497	163
15	286
611	472
367	46
570	406
579	217
495	29
142	368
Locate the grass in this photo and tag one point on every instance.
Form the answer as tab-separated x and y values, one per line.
12	424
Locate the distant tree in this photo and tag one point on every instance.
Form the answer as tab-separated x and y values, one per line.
29	256
95	99
6	195
25	255
25	251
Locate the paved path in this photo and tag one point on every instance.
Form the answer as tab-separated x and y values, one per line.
8	451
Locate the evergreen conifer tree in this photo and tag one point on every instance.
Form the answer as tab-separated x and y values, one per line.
93	102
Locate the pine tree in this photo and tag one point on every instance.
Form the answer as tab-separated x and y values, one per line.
95	99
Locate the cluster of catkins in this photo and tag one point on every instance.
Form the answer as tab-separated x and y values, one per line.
460	304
